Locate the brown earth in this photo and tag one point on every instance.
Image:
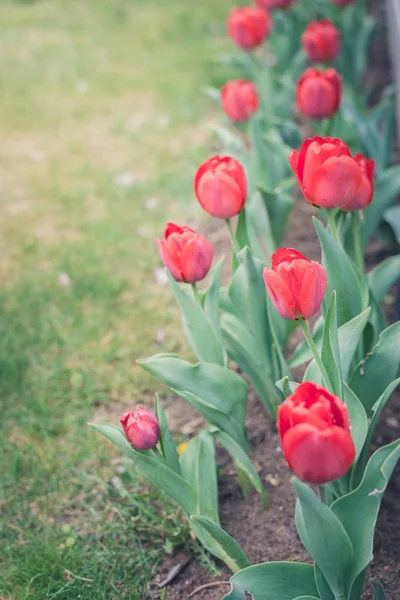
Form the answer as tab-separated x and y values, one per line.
267	535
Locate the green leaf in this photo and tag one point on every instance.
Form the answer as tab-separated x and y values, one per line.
349	336
303	353
392	217
156	472
387	190
379	592
278	204
330	348
211	304
259	228
306	598
275	580
216	416
168	447
198	329
365	502
381	365
383	276
286	386
228	549
326	540
351	290
218	386
358	418
242	462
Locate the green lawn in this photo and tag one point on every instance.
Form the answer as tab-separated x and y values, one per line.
93	94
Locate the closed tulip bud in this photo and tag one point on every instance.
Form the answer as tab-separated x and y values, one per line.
274	4
220	187
321	41
318	93
249	26
239	100
315	434
141	428
295	284
343	3
330	177
186	254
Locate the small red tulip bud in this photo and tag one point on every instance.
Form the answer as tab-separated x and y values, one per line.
318	93
220	187
239	99
321	41
186	254
249	26
330	177
314	429
141	428
295	284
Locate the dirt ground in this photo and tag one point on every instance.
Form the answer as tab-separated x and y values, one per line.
271	534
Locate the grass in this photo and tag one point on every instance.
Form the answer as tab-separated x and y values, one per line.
103	124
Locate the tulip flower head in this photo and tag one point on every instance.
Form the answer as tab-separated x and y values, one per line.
186	254
249	26
220	187
330	177
314	429
318	93
295	284
321	41
274	4
239	99
141	428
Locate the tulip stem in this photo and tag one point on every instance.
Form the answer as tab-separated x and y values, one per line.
196	293
235	243
358	250
314	350
321	490
332	224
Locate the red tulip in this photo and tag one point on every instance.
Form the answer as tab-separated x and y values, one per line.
295	284
274	4
220	187
330	177
141	428
318	93
249	26
315	434
185	253
239	99
321	41
342	3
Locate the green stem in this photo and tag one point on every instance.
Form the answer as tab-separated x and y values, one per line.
235	243
332	224
318	360
196	293
329	127
321	490
358	249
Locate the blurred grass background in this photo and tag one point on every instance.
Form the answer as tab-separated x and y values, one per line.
102	127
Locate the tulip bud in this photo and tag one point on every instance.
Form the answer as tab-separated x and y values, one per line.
186	254
274	4
314	429
249	26
330	177
318	93
141	428
220	187
295	284
321	41
239	99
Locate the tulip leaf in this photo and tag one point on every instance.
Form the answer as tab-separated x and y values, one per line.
228	549
324	590
351	289
380	366
330	354
379	592
278	204
167	443
275	580
218	386
216	416
383	276
211	304
358	418
365	502
200	333
242	462
259	228
153	470
349	336
303	353
286	386
326	541
387	190
392	218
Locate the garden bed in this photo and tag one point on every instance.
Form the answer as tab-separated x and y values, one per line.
270	535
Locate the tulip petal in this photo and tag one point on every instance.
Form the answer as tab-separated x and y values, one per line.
285	255
335	183
280	294
310	285
196	259
170	259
